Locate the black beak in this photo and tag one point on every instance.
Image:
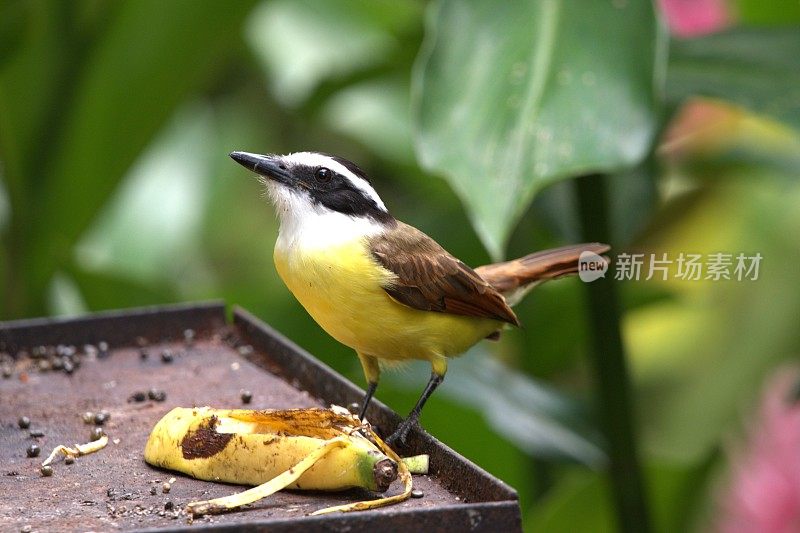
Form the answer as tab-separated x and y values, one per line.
264	165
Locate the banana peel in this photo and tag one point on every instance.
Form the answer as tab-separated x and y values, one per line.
311	449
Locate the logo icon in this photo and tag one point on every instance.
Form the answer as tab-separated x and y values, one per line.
591	266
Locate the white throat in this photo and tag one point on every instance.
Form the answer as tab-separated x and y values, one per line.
305	226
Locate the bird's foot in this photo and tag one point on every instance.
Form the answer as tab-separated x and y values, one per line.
398	438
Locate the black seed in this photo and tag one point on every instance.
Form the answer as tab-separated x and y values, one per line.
153	490
68	460
137	396
169	506
57	363
166	356
88	417
36	433
416	493
247	396
143	354
157	395
33	450
69	368
101	417
6	371
96	434
24	422
46	471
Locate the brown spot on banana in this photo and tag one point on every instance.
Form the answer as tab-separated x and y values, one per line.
204	441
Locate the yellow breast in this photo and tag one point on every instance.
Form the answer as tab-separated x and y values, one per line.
341	288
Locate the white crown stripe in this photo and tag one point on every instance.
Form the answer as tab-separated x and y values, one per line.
314	159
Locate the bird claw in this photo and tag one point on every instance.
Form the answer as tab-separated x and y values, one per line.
400	435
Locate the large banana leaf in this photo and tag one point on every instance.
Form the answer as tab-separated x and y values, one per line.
511	96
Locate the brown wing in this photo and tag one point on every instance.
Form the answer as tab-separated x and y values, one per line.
430	279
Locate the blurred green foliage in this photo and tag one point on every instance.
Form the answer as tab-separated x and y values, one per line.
116	119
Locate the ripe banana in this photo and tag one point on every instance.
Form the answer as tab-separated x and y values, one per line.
314	449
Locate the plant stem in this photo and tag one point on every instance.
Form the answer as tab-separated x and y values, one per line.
611	373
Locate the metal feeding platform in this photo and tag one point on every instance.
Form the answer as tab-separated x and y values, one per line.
124	370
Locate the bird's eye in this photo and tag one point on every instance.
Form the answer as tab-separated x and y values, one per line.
323	174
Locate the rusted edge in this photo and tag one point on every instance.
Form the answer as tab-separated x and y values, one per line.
473	517
118	327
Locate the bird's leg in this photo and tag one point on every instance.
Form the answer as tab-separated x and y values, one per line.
367	397
437	376
372	371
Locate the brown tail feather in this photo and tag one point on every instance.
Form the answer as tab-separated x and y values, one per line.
511	276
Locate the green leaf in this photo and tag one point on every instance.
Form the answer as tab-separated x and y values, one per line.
511	96
759	69
149	58
768	12
301	43
535	417
581	500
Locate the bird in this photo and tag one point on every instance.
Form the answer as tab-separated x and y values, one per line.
380	286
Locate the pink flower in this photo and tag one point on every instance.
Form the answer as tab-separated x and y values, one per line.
763	494
689	18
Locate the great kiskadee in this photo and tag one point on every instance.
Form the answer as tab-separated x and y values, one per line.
380	286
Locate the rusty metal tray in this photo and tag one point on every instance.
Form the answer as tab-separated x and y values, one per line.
112	489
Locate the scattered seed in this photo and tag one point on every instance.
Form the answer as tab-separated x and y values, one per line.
165	487
37	433
245	349
96	434
6	371
46	471
57	363
153	490
44	365
137	396
166	356
157	395
33	450
69	367
143	354
102	346
88	417
26	529
101	417
354	408
247	396
416	493
24	422
68	460
169	506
